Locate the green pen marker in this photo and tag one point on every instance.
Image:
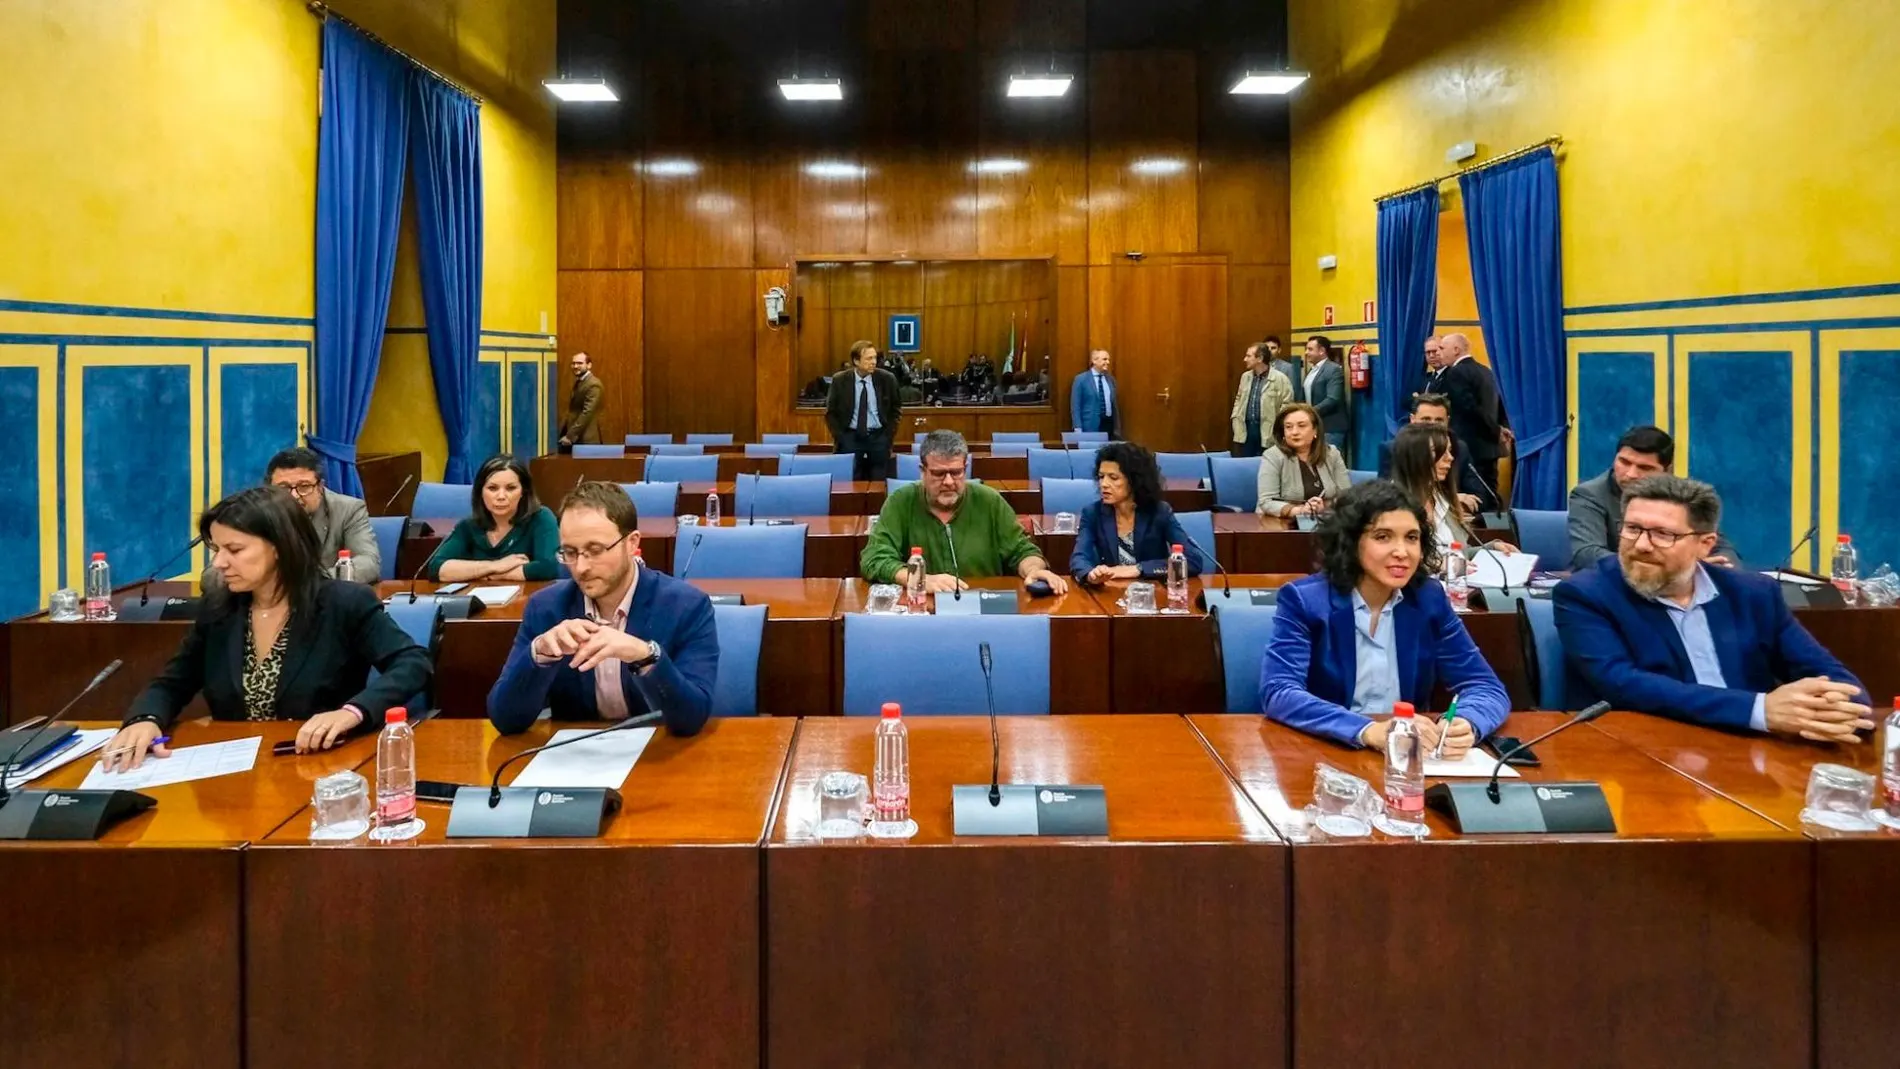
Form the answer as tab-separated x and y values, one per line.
1444	728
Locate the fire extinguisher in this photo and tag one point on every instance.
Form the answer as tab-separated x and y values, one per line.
1360	364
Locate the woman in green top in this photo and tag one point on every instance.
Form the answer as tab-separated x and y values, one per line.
509	536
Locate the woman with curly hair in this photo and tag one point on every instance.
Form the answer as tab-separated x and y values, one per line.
1129	532
1373	628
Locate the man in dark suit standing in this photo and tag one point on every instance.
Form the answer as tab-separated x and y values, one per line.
1477	415
1323	385
583	406
1474	495
1433	365
1095	403
863	411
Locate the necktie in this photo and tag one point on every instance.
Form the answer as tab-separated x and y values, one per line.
1101	387
863	399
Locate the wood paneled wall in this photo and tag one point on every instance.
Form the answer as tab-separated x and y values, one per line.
682	204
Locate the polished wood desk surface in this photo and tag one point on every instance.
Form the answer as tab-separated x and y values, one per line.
791	599
1074	602
816	526
1111	593
1275	764
715	787
1162	786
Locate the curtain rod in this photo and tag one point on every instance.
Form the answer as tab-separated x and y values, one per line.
324	11
1554	141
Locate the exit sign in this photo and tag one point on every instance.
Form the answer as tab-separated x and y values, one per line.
1369	312
1326	316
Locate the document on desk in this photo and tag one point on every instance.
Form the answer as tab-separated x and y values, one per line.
600	762
186	763
1475	764
85	741
1502	570
494	595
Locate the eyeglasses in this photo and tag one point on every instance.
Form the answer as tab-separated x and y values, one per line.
947	475
569	555
300	489
1660	537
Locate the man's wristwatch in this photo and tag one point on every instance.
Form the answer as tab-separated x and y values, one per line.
652	658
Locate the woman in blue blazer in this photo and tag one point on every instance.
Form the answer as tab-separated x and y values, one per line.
1130	531
1374	628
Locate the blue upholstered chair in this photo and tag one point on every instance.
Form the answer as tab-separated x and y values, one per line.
1183	465
1084	437
1200	527
1357	476
1242	634
599	452
1236	483
649	439
663	468
782	495
1019	437
749	552
770	449
421	620
1050	464
1068	495
1011	449
388	532
676	449
1545	532
910	467
1544	651
710	439
654	499
736	688
794	439
929	664
437	501
836	465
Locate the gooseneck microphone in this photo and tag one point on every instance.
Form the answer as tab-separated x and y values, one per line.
956	571
641	721
1226	581
391	503
996	745
145	584
1788	561
9	760
691	552
1590	713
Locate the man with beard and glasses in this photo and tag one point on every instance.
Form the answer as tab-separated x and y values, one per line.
1655	629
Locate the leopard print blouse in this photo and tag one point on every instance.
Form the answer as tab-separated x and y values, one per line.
261	677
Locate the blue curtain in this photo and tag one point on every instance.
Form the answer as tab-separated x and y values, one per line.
1517	272
361	139
1408	299
446	144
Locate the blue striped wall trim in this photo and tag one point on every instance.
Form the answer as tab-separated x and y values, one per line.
59	308
59	450
516	349
1882	289
1801	325
193	342
1814	445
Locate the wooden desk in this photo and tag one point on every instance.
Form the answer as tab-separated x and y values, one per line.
831	543
48	663
987	466
1078	642
1864	638
1683	940
525	952
1163	946
1856	940
1167	663
130	957
847	498
1261	544
1184	495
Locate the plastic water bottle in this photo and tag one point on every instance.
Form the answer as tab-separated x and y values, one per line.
1889	811
1404	768
1847	570
639	561
99	589
1457	586
396	780
1177	578
914	589
345	566
712	508
890	778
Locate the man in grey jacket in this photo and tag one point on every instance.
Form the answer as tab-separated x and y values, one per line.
1596	506
1263	392
342	521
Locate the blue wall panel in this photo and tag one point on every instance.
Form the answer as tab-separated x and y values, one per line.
1740	424
20	475
485	425
553	397
137	471
524	401
258	418
1615	391
1870	456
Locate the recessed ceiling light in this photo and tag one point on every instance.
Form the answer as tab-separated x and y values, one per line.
998	166
1039	85
581	90
1158	165
811	88
1268	83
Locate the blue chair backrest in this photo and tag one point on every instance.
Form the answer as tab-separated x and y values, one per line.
1236	482
1200	527
441	500
665	468
1068	495
388	532
1356	476
1010	449
836	465
599	452
770	449
736	687
1546	533
677	449
421	621
653	499
1082	437
1546	652
909	467
782	495
1182	465
795	439
1032	437
651	439
1243	634
743	552
710	439
894	484
1050	464
929	664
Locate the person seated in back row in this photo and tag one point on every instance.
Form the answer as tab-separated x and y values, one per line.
1302	471
1596	505
1421	457
1434	408
1656	630
1373	628
509	536
966	530
341	521
616	640
1129	532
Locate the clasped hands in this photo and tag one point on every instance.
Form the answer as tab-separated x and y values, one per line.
586	643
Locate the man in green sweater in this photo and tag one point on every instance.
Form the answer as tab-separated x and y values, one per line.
966	530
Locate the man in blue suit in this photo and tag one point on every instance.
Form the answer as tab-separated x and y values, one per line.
1094	403
1656	630
617	640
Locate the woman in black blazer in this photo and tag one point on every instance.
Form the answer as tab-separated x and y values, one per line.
278	641
1130	531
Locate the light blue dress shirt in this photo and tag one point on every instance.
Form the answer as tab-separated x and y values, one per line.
1692	627
1106	393
869	398
1375	685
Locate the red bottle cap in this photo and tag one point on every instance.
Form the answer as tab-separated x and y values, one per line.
916	551
397	715
1843	538
98	556
1402	710
892	711
1178	549
343	554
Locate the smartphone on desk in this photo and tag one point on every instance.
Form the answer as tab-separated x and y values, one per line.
434	790
1501	744
452	588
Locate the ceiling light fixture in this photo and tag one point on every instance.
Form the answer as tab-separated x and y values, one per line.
1268	83
999	166
1040	85
581	90
811	88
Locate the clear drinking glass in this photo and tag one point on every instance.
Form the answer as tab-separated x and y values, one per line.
1345	802
883	597
686	521
1140	598
1065	523
1839	798
840	805
63	608
339	807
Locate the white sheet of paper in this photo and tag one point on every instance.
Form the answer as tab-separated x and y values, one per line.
89	740
1797	580
1475	764
1497	570
494	595
186	763
602	762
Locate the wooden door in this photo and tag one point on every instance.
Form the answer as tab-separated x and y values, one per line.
1170	337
